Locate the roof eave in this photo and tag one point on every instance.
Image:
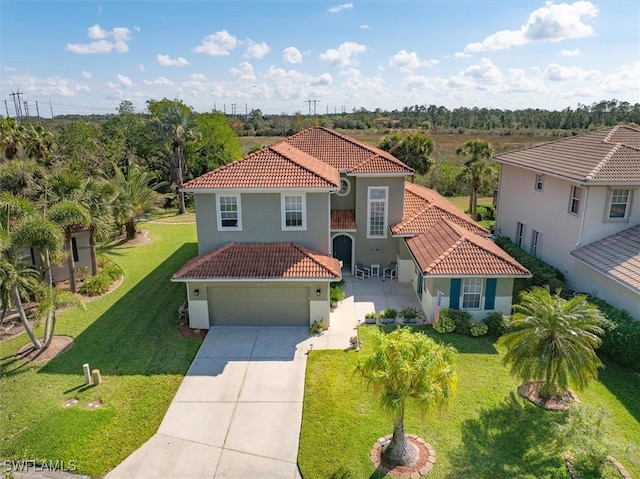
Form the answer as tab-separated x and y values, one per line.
245	279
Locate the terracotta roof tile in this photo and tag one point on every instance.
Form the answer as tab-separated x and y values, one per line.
424	207
343	219
617	256
260	261
279	166
611	155
447	249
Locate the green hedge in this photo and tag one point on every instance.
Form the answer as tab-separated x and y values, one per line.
621	341
543	274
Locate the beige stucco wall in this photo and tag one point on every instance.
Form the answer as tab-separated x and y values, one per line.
61	272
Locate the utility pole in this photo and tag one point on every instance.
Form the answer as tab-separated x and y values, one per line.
16	105
6	107
51	106
26	109
38	111
314	105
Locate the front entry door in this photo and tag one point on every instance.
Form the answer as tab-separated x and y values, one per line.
342	246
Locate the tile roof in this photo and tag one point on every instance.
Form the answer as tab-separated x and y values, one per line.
424	207
345	153
278	166
617	256
448	249
610	155
343	219
260	261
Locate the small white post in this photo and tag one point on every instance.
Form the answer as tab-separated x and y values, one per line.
95	377
87	374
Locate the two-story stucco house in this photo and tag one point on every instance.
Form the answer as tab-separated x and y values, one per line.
575	203
278	226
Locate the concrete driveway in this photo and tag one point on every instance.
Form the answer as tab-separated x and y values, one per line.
237	413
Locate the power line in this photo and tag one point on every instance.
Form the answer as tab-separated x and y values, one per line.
314	105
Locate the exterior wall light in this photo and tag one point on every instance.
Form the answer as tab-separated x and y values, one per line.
318	292
196	292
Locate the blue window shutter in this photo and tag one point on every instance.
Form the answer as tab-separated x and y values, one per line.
454	296
490	298
74	248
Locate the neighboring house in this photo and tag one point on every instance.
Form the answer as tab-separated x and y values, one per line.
575	203
276	228
81	255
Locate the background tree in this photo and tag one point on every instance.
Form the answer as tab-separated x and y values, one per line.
476	168
554	341
215	145
414	150
406	365
11	137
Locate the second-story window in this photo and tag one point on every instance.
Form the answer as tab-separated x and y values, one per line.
619	204
293	212
539	182
229	217
377	211
576	197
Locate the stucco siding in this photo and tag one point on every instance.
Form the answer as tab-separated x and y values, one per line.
597	224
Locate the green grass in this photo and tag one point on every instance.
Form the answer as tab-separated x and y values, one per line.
489	431
131	336
462	202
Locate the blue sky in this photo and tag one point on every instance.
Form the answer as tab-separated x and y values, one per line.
86	56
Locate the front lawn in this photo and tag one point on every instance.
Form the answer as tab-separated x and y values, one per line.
489	431
131	336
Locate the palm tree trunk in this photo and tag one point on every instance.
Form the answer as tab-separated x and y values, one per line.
71	262
399	452
23	317
92	249
49	326
130	227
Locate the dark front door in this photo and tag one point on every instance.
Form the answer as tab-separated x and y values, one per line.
342	246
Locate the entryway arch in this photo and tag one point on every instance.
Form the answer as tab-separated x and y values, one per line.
343	249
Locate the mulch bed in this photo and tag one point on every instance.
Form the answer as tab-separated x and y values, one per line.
190	333
424	462
59	344
558	402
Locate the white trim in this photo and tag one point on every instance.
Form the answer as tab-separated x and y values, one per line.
345	179
572	197
255	280
219	212
462	293
283	212
385	225
607	214
257	190
539	183
353	248
380	175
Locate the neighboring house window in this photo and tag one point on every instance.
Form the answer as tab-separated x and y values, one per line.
576	196
229	216
619	204
535	242
377	211
345	187
519	233
294	212
539	182
471	293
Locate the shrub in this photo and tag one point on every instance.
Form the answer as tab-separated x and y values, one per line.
336	294
621	340
497	324
388	316
409	313
479	329
463	321
445	324
543	274
100	283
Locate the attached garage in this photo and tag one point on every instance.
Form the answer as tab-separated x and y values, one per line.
258	304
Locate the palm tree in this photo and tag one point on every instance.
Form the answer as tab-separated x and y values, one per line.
97	196
11	137
477	169
38	143
554	341
406	365
177	127
414	150
135	196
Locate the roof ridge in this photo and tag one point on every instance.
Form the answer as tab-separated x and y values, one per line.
603	162
305	251
614	130
307	158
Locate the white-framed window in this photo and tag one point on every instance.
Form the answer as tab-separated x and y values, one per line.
519	233
576	197
229	212
377	211
619	201
345	187
539	182
471	293
294	211
536	236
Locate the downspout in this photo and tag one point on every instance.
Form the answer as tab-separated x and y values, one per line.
583	215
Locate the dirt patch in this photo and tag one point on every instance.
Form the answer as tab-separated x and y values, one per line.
425	460
141	238
191	333
59	344
557	402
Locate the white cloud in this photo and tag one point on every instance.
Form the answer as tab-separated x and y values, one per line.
291	55
141	67
86	74
197	77
51	86
570	53
167	61
160	81
461	55
364	27
324	79
549	23
343	55
406	62
7	68
256	50
417	83
218	44
339	8
555	72
244	72
124	80
482	76
625	80
120	37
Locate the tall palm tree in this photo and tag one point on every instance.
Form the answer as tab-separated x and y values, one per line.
406	365
136	195
554	341
414	150
477	168
97	195
38	143
177	126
